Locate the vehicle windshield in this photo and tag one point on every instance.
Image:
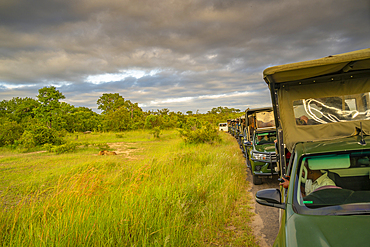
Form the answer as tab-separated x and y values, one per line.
345	108
334	184
265	138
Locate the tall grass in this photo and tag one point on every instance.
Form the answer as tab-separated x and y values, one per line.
166	194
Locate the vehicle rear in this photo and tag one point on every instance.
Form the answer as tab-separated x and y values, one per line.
223	127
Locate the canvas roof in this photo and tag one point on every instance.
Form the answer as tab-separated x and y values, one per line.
287	79
351	61
251	111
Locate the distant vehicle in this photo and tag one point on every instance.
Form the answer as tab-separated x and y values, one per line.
233	127
259	145
241	128
322	113
223	127
229	125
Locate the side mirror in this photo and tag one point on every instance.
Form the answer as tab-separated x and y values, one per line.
247	143
270	197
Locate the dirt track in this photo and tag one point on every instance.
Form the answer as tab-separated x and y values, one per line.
266	221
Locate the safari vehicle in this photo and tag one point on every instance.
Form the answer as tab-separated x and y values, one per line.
232	127
229	125
259	146
322	116
241	127
222	127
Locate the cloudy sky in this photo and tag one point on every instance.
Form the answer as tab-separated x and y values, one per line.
176	54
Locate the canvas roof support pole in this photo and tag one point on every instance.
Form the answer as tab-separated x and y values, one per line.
279	130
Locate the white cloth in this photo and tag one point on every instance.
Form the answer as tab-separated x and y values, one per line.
321	181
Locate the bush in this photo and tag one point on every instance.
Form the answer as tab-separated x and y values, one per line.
64	148
27	140
156	131
205	133
152	121
10	132
119	136
39	135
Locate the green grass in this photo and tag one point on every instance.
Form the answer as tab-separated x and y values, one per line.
162	193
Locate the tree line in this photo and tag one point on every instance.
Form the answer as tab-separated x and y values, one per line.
45	119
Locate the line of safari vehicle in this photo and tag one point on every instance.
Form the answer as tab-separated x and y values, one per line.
256	134
321	112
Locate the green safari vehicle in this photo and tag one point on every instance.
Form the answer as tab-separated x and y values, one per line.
259	146
322	116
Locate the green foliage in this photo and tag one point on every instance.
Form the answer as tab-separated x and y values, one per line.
80	119
38	135
68	147
18	109
119	114
119	136
10	132
152	121
110	102
19	114
49	109
223	110
156	132
196	133
118	120
27	140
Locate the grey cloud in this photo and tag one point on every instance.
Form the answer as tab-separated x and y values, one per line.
198	47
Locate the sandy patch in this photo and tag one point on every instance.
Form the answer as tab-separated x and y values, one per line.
124	148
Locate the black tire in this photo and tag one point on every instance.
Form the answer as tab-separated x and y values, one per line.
248	162
257	180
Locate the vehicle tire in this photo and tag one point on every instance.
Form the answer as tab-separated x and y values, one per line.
248	162
257	180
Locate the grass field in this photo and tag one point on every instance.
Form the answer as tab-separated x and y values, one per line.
155	192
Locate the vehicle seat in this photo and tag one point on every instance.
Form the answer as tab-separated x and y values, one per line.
356	179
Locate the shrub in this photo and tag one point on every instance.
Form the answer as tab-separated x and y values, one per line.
10	132
119	136
156	131
64	148
27	140
152	121
205	133
42	134
39	135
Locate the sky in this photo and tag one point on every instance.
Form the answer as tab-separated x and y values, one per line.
183	55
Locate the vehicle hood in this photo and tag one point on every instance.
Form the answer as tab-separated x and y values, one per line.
318	230
265	147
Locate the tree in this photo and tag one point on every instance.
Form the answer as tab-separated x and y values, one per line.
49	104
83	119
18	109
118	120
11	131
110	102
152	121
